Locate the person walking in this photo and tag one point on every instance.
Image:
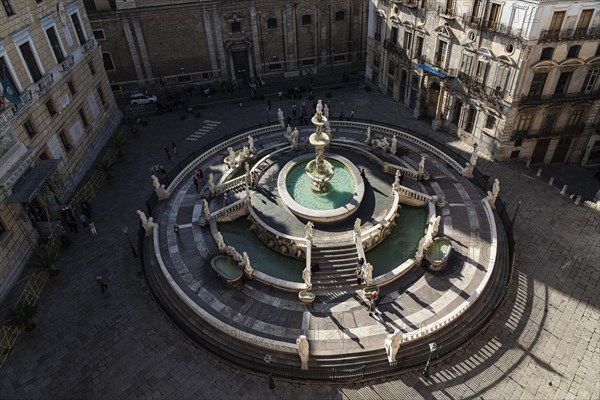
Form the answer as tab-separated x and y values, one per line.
196	182
103	285
200	174
92	227
168	153
176	230
359	271
269	105
174	147
280	94
352	114
163	172
373	311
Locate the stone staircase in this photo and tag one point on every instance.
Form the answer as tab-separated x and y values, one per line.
337	267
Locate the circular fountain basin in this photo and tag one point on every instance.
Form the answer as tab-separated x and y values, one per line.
439	253
340	202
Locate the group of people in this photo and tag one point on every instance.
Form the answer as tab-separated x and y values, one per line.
85	218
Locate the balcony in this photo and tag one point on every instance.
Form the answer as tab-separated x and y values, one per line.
407	3
6	116
572	130
555	98
67	64
44	83
476	87
447	12
395	49
492	27
438	64
566	35
89	45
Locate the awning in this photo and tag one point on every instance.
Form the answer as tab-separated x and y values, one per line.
433	71
28	186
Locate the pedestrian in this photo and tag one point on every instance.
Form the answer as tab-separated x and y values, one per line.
84	221
92	227
86	207
200	174
163	172
174	146
196	182
362	173
269	105
156	169
294	110
359	270
168	153
176	230
103	285
280	94
306	142
241	105
373	297
352	114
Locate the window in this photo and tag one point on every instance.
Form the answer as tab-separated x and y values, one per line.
339	16
306	19
29	128
92	69
65	143
465	64
99	34
236	27
55	45
419	47
490	122
391	68
50	108
83	118
71	87
556	22
440	55
101	96
515	153
310	61
108	62
378	23
78	28
537	84
590	80
481	71
583	23
394	35
8	8
573	51
5	72
470	120
274	66
562	86
524	123
43	155
30	61
550	122
376	60
494	16
547	53
271	23
407	40
575	118
339	57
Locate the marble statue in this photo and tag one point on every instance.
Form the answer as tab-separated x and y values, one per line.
289	132
474	155
319	108
368	274
302	343
328	132
357	224
159	189
368	135
394	145
251	144
435	225
467	171
396	184
147	223
231	155
309	230
207	215
220	242
422	166
211	183
306	277
295	135
493	195
245	152
248	270
280	117
420	251
392	344
326	111
381	144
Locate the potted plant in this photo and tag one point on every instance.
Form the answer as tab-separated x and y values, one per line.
117	143
46	260
20	317
105	167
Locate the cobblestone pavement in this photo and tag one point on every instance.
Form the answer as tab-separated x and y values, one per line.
543	343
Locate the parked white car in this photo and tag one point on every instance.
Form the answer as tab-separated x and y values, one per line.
142	98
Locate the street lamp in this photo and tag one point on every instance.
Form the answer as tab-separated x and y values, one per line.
512	221
125	231
432	347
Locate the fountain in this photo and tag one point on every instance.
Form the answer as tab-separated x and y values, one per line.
318	188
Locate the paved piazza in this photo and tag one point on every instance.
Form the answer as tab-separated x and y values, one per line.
544	342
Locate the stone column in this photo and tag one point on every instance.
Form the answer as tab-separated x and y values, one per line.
210	41
250	63
256	41
231	65
420	94
438	122
219	42
289	24
142	45
133	51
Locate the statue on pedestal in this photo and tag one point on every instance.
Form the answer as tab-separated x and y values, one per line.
368	135
467	171
422	166
392	344
302	344
493	195
159	189
394	145
251	144
474	156
211	183
326	111
207	214
306	277
220	242
295	135
309	230
357	224
435	225
368	274
248	270
147	223
280	117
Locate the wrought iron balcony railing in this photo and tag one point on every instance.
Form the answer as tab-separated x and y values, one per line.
395	49
476	87
558	97
447	12
89	45
493	27
45	82
68	63
548	36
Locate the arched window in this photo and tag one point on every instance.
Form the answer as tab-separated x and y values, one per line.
236	27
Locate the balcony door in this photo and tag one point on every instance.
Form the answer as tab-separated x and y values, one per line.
556	23
584	22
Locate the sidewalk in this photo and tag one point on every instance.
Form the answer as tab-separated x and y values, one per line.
121	345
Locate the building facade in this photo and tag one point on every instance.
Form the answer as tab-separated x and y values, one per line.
56	114
152	42
517	77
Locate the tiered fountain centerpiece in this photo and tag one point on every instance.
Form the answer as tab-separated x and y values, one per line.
321	189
